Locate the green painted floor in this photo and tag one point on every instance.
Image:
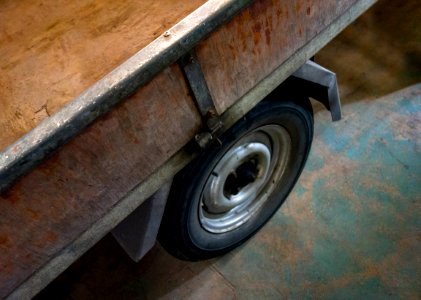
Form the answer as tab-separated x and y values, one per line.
351	229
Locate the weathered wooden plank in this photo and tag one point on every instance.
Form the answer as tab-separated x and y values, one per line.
51	51
59	200
239	55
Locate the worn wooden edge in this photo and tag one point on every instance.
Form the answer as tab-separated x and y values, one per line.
20	157
143	191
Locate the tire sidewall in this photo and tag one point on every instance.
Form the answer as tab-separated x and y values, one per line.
298	123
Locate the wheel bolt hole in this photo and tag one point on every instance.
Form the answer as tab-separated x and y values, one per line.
243	175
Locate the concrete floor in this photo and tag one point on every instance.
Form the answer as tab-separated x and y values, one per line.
352	226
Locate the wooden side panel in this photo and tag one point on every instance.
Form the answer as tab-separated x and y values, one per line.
54	204
53	50
239	55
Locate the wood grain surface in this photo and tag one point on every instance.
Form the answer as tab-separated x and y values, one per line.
55	203
51	51
240	54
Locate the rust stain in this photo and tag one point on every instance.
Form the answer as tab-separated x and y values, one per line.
125	122
257	27
256	33
308	11
298	6
28	257
242	34
268	21
44	241
51	237
267	34
33	214
4	240
259	9
233	50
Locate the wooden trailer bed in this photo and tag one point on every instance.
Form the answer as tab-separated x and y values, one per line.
51	51
120	136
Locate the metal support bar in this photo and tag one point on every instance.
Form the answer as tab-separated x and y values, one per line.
196	80
203	99
137	233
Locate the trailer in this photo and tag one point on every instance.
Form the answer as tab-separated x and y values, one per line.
187	120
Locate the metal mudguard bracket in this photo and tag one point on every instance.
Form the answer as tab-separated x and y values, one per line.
137	233
320	84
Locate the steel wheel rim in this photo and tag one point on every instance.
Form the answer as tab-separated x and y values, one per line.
241	182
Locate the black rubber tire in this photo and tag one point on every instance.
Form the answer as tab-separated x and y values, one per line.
181	233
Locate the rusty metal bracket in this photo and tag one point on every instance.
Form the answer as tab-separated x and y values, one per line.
326	79
137	233
196	80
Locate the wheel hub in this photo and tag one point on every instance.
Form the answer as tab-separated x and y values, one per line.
245	169
243	178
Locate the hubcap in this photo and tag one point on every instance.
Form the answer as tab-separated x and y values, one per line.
243	179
